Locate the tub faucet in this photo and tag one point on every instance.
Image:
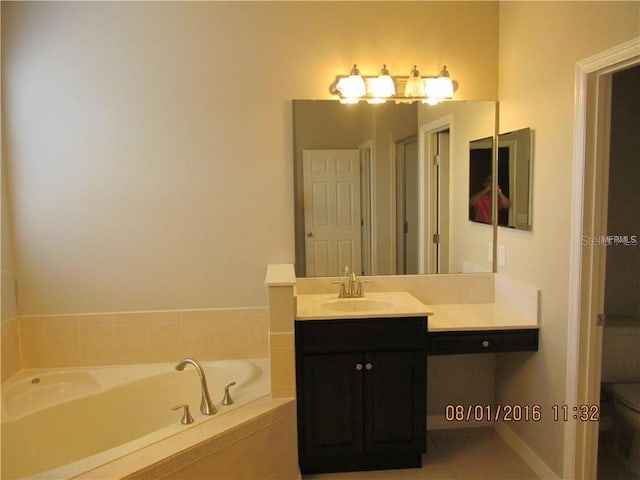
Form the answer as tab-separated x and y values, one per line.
206	405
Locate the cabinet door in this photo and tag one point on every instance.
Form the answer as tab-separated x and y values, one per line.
395	402
332	407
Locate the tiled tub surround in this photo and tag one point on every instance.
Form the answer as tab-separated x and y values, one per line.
10	335
256	441
138	337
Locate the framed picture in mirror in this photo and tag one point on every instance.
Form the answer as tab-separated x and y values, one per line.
515	178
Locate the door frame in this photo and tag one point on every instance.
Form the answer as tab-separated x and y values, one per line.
428	205
400	193
369	177
586	267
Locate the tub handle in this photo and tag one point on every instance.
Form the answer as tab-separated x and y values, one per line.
186	416
227	400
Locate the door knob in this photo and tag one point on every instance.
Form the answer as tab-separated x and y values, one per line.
358	366
485	343
369	366
310	234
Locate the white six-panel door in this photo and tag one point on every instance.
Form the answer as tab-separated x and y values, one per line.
332	211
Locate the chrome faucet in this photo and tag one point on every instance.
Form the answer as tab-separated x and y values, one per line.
206	405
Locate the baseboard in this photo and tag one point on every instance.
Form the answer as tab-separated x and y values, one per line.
530	457
438	422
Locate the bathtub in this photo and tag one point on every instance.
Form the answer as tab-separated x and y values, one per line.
65	422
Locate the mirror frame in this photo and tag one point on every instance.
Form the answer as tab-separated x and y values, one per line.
521	179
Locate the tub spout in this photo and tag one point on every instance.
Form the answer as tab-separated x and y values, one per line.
206	405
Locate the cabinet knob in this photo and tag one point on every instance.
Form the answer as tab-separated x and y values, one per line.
358	366
485	343
368	366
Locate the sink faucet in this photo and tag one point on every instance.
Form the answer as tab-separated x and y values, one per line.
206	405
352	288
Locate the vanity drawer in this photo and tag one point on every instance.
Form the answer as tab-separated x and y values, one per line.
493	341
380	334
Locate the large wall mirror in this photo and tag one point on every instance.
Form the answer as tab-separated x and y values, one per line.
383	189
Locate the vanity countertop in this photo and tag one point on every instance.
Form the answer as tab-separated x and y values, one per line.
475	316
374	305
442	317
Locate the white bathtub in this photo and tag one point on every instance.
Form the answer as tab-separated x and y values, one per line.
62	423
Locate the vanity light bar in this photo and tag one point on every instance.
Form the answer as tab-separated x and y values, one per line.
379	88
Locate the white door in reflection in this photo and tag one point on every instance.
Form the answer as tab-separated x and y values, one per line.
332	211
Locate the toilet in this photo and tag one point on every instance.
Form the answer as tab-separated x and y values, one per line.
621	381
626	403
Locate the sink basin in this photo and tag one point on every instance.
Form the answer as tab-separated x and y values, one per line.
356	305
318	306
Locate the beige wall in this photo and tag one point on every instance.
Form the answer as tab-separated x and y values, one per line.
149	144
540	43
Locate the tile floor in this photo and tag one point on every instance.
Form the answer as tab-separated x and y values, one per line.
456	454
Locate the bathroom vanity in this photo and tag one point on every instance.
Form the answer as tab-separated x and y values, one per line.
361	393
361	377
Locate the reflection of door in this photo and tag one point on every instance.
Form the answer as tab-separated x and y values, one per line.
407	206
435	147
441	203
366	208
331	211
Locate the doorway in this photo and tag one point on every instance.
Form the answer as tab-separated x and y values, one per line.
621	320
588	261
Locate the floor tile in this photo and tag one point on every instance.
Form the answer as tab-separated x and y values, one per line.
456	454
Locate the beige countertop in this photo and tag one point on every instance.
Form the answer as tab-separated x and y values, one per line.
442	317
323	306
475	316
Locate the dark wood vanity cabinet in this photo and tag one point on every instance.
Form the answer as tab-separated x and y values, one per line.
488	341
361	392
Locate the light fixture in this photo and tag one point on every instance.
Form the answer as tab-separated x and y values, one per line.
382	86
378	89
351	88
439	88
414	86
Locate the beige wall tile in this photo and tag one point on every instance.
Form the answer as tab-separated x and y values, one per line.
33	346
10	348
197	334
63	341
188	472
256	448
282	356
258	337
139	337
282	341
223	464
230	337
165	341
97	341
282	309
131	342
